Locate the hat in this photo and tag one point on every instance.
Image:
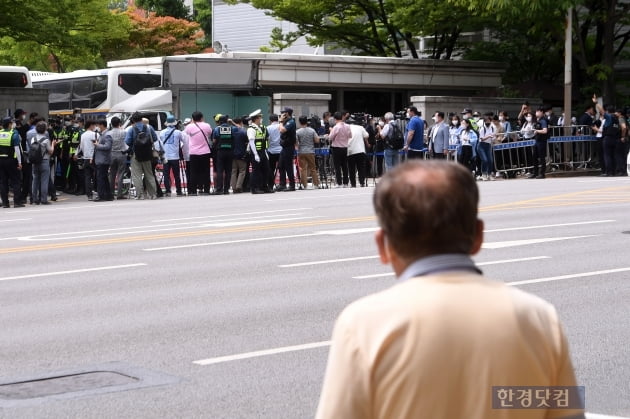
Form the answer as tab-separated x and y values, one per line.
187	121
476	113
19	112
7	120
170	120
466	110
255	114
287	110
216	117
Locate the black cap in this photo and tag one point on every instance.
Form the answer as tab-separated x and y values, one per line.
466	110
7	120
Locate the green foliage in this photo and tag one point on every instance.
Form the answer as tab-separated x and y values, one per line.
203	16
172	8
280	41
57	39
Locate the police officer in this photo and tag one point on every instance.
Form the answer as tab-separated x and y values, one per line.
223	143
74	175
10	164
287	140
257	136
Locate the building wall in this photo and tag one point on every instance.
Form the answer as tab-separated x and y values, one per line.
242	27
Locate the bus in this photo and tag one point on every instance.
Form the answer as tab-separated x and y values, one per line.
15	76
93	92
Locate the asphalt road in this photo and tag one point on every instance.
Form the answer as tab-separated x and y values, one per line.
222	306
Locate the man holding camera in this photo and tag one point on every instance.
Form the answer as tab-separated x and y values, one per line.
287	140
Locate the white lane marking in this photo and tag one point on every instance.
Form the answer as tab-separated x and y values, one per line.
249	222
266	352
570	276
231	215
185	246
15	219
511	243
121	231
322	262
598	416
348	231
492	262
74	271
548	225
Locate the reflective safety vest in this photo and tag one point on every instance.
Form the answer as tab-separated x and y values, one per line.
6	150
260	141
226	138
75	140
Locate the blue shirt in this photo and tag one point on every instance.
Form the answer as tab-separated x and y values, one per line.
171	140
130	137
274	139
416	124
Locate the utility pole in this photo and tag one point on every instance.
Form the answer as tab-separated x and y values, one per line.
568	53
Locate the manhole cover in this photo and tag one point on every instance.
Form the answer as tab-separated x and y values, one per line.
78	382
63	384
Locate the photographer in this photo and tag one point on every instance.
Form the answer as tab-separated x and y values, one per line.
287	140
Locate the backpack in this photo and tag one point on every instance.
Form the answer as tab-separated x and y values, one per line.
613	130
143	145
396	139
36	151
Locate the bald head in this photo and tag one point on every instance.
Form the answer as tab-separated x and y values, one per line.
428	207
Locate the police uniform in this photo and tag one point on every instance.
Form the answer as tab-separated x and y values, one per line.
224	140
257	135
10	164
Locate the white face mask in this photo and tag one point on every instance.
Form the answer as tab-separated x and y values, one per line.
455	122
381	123
501	118
408	115
528	119
433	118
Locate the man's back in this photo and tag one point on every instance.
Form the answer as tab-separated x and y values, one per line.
434	346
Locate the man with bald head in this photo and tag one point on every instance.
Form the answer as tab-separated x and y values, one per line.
440	342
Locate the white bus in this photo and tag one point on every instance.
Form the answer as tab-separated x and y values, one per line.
94	92
14	76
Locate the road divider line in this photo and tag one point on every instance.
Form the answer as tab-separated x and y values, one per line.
492	262
512	243
185	234
74	271
323	262
266	352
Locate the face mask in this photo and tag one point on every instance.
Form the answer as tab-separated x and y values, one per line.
381	123
408	115
501	119
466	117
24	117
528	119
455	122
433	118
67	123
548	113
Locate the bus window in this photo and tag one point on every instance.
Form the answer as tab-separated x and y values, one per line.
81	92
58	95
13	79
133	83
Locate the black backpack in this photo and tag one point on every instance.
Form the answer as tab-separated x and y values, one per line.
143	145
396	139
36	151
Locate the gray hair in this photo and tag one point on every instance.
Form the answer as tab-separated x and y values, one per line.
389	116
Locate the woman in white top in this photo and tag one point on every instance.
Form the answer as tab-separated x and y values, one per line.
467	137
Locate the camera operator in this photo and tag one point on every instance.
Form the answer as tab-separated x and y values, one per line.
287	140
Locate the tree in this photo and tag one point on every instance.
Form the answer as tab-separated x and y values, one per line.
359	26
173	8
47	36
203	16
152	36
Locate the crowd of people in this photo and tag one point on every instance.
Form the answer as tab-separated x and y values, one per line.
91	157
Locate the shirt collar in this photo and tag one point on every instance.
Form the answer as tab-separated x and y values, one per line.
439	263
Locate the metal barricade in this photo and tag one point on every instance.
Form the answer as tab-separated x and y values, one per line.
513	158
